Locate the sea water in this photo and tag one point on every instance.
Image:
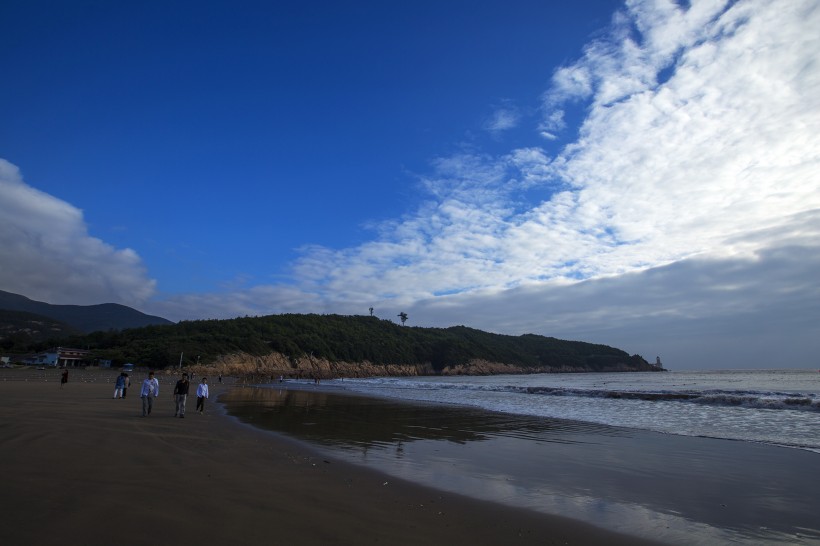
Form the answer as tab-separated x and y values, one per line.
684	457
780	407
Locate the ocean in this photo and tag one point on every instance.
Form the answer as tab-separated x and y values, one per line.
712	457
780	407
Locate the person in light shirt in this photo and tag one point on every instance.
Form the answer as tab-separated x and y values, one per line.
149	391
201	395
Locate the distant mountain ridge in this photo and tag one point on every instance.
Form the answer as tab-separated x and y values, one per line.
86	318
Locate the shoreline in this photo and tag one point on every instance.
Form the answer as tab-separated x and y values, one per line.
673	488
80	464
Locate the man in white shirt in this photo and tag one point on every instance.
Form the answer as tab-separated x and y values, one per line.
201	395
150	390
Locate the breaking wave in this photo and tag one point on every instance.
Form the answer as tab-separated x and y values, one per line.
748	399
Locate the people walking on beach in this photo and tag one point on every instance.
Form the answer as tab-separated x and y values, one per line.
64	378
149	391
119	385
181	395
127	384
201	395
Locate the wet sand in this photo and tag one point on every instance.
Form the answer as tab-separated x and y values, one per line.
82	468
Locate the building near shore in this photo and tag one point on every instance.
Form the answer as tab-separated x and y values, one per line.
59	357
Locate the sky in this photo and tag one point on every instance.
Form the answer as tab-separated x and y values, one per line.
642	174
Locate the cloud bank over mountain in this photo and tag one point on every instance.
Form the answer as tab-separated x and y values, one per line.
48	254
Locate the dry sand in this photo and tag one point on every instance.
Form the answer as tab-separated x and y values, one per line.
79	467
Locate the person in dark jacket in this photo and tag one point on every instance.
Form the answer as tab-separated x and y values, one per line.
181	395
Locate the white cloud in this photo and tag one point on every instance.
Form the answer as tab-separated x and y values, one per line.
48	255
729	142
503	119
645	38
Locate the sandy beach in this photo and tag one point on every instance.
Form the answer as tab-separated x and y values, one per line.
82	468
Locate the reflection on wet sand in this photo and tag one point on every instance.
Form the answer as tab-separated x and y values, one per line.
345	420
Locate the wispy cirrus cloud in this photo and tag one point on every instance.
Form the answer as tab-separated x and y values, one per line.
702	123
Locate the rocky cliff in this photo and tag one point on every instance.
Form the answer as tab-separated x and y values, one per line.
275	364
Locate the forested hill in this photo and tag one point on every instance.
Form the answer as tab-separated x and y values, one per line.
349	339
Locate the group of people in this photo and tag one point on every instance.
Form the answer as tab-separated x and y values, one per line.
121	385
150	391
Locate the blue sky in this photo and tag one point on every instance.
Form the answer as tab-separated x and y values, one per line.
641	174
